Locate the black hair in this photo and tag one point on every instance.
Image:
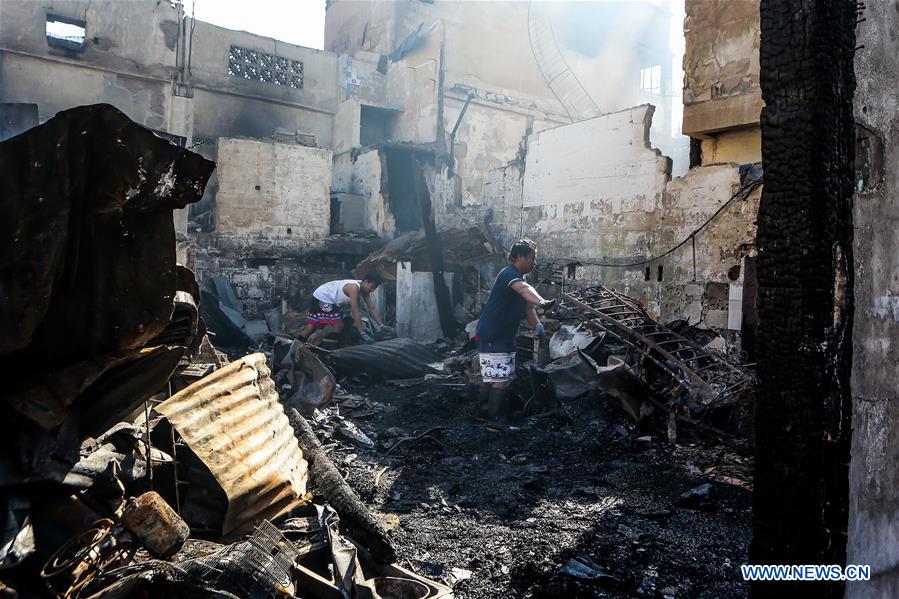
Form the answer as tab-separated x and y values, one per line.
373	277
522	247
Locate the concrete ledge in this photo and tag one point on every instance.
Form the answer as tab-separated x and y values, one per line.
720	114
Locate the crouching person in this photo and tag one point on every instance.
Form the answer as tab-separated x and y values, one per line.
510	300
324	316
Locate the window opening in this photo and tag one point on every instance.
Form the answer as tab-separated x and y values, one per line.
64	32
651	79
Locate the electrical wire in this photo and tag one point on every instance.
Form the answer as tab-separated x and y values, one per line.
741	194
558	263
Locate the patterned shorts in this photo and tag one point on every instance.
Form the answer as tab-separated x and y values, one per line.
497	368
322	314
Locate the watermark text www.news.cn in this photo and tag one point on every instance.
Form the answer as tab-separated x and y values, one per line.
832	572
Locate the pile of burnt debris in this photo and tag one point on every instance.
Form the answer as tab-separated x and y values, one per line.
607	343
139	460
136	459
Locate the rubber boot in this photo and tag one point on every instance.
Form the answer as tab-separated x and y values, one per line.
498	404
480	412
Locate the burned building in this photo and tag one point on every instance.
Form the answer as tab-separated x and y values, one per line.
311	144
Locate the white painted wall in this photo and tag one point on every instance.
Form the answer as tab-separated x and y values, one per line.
593	191
604	160
347	124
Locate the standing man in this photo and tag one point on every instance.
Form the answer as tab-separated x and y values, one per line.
324	315
510	300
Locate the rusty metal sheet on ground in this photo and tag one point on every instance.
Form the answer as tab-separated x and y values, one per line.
232	420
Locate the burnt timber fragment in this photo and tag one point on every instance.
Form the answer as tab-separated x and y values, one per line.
328	481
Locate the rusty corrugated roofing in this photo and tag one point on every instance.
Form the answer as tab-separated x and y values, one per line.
232	420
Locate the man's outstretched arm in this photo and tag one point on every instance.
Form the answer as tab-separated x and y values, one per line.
533	299
526	291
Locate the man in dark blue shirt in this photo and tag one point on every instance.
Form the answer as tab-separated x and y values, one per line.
510	300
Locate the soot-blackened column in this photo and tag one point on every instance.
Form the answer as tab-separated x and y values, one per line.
803	412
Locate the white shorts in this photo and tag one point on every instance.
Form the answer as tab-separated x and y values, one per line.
497	368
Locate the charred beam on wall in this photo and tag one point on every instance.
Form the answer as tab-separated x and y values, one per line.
805	287
448	323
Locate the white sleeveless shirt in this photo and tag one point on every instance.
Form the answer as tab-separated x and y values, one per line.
332	291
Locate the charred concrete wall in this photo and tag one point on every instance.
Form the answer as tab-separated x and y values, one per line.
128	59
263	272
488	136
873	485
449	51
272	190
347	126
594	194
721	84
711	292
414	83
232	104
487	50
363	174
271	220
166	72
365	25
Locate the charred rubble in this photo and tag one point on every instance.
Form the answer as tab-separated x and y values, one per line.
136	459
144	455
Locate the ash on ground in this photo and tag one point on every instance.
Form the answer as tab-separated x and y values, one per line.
585	506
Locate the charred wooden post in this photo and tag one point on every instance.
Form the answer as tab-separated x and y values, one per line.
803	426
325	478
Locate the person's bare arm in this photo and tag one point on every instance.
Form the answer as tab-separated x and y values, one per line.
352	292
526	291
533	298
372	310
531	314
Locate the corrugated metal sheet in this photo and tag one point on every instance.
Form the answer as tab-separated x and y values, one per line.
393	359
233	421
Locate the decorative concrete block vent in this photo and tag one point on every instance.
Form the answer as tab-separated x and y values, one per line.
272	190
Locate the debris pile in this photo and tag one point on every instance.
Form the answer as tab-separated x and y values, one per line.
136	460
501	514
615	347
139	461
